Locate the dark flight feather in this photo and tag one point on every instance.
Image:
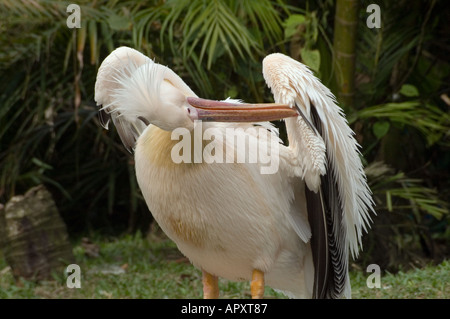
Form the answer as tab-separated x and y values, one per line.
325	216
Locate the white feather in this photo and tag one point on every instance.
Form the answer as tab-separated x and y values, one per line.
294	84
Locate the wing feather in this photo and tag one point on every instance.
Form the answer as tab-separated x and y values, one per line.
337	194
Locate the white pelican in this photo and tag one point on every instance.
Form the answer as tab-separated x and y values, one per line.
291	229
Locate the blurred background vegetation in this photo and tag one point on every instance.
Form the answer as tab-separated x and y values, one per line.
398	106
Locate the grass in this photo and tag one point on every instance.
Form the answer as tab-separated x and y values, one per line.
135	267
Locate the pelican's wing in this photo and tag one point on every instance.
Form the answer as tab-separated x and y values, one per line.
327	158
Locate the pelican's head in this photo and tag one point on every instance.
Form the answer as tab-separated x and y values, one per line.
136	91
132	86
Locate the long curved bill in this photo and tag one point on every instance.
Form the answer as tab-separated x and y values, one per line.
218	111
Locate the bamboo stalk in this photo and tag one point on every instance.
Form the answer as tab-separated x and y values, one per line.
345	27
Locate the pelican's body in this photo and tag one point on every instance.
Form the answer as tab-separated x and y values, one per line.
239	229
290	229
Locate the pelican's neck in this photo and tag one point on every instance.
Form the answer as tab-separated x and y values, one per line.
156	146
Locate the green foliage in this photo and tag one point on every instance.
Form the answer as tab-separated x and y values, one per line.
292	23
409	90
428	119
407	214
405	124
49	129
213	25
303	32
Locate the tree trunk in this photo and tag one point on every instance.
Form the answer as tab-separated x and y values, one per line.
33	236
345	28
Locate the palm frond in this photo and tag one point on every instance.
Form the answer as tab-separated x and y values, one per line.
407	213
212	25
388	186
428	119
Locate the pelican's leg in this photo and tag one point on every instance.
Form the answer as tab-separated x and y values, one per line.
210	286
257	284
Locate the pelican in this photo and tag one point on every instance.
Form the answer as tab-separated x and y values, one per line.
293	228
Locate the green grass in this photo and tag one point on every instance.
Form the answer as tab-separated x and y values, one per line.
431	282
133	267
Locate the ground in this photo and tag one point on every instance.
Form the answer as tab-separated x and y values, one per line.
137	267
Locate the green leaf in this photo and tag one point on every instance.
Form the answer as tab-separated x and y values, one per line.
232	92
428	119
41	164
409	90
118	23
381	128
291	24
311	58
389	201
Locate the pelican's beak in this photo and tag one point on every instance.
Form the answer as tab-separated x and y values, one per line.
218	111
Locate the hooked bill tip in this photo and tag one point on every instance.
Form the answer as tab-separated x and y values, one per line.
103	117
